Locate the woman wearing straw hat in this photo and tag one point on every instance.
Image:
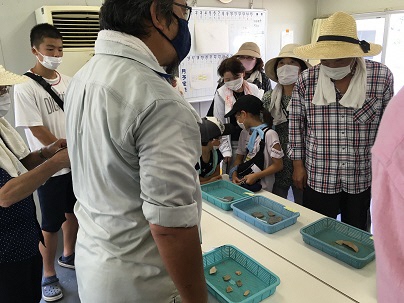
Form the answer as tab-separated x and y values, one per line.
283	69
334	115
20	175
250	56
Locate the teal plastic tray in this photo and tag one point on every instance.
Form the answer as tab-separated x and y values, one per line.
323	233
228	259
211	192
243	209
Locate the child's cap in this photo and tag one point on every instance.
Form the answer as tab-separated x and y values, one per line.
248	103
212	128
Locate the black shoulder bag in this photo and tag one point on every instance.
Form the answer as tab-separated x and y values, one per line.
41	81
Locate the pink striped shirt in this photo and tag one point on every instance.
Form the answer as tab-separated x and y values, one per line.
388	202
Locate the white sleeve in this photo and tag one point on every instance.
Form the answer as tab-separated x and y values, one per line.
27	112
218	112
242	143
271	139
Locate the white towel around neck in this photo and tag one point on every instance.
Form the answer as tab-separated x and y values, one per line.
275	106
355	95
12	149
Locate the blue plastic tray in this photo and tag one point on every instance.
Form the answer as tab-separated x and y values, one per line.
323	233
247	206
256	278
211	192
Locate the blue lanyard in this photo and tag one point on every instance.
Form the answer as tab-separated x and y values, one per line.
257	130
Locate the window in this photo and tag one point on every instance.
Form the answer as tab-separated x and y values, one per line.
386	29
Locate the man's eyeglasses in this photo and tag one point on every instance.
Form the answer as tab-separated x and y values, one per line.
186	10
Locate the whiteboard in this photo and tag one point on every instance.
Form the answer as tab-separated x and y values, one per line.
198	71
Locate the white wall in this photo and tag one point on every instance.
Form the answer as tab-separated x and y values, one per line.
17	18
296	15
328	7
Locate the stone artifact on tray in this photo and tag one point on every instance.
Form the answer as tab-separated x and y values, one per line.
274	220
227	199
258	215
348	244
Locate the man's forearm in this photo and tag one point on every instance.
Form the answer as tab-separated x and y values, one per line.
43	134
182	256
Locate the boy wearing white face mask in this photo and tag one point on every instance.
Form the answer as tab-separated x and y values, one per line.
232	72
283	69
44	122
335	111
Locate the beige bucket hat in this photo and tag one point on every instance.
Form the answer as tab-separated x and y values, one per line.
338	39
249	49
286	52
9	78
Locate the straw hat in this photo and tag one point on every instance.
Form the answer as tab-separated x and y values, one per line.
249	49
286	52
338	39
9	78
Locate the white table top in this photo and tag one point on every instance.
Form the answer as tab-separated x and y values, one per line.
296	285
287	244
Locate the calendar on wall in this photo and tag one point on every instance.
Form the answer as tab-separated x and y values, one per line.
217	33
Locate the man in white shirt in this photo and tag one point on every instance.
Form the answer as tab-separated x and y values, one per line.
44	122
134	144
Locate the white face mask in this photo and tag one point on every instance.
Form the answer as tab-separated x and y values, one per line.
50	62
241	125
287	74
248	64
336	73
234	84
216	147
5	104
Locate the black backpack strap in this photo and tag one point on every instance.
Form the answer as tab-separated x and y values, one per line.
41	81
259	158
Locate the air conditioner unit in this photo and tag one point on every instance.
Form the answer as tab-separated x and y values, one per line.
79	26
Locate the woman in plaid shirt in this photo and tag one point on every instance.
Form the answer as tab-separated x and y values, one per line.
335	112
